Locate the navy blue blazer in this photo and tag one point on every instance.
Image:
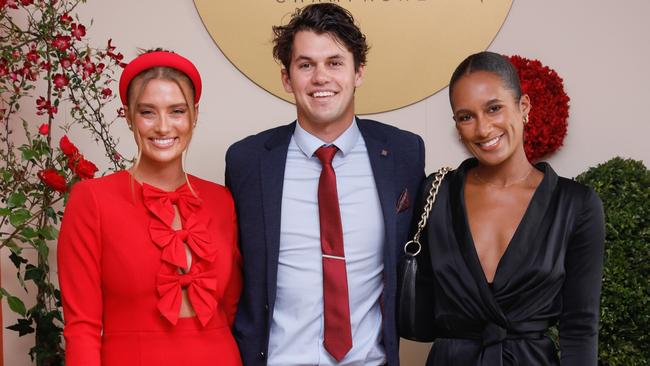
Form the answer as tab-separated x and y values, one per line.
255	175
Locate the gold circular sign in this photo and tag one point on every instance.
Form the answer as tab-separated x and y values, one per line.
415	44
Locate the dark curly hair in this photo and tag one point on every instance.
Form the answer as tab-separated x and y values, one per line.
321	18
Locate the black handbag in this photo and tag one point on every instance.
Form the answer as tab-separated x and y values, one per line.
415	316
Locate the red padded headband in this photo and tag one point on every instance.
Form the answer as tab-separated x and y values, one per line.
157	59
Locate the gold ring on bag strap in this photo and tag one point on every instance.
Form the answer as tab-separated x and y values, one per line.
431	198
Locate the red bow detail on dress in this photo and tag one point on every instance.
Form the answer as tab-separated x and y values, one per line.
160	203
201	288
172	242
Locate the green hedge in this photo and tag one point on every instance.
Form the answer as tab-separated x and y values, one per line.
624	187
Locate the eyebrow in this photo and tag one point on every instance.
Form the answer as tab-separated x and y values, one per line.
488	103
492	101
152	105
307	58
461	111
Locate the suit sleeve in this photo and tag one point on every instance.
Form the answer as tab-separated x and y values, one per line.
421	158
228	173
233	288
423	182
581	293
79	263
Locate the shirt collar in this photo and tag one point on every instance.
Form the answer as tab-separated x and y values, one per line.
308	143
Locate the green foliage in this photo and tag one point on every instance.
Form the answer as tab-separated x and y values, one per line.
624	187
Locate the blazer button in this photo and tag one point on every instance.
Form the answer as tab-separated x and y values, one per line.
262	355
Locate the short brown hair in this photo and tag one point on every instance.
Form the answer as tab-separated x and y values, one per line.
320	19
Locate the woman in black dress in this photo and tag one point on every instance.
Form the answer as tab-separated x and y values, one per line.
515	249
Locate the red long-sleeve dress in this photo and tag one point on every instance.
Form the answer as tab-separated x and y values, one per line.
119	262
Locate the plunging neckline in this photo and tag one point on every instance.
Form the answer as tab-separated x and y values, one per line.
515	236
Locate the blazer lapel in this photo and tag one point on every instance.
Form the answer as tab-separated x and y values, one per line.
383	166
272	166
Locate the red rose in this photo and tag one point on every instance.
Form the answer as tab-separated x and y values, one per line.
44	129
26	2
46	66
68	147
106	92
10	3
60	81
32	56
27	72
65	18
4	70
53	179
88	67
41	103
44	106
83	168
68	60
66	63
61	43
78	31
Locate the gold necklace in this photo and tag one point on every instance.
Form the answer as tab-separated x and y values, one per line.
519	180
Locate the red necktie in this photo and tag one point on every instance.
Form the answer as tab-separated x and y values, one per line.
338	333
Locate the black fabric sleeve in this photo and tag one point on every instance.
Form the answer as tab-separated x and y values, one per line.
578	326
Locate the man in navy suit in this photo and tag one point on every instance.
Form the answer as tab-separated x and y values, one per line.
301	303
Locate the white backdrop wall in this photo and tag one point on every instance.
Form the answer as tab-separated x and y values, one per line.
600	48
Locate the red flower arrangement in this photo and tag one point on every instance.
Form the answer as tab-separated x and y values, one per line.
547	126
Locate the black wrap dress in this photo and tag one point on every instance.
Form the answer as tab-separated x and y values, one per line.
550	274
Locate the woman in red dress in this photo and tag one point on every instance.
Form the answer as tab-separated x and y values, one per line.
148	260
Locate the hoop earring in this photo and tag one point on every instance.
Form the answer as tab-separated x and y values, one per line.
525	119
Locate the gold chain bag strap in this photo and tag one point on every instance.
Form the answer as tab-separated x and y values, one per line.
415	316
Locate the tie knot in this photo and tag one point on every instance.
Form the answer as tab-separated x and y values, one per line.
182	234
174	196
493	334
185	280
326	153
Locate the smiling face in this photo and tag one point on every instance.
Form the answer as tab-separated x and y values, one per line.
162	123
322	78
488	118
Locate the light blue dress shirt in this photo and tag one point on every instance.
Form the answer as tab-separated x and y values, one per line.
298	323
